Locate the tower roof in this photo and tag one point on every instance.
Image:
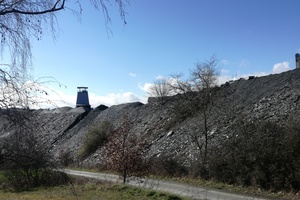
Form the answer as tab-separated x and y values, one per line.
81	89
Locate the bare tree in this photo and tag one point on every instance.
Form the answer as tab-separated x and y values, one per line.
17	91
198	93
124	152
203	79
24	20
25	157
21	21
160	89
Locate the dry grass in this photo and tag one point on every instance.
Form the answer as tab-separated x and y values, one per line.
238	188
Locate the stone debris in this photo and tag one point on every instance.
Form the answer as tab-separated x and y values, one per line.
274	98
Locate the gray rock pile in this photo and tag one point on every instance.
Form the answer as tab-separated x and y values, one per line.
273	98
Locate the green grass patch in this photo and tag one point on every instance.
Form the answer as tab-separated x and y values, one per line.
2	176
86	189
209	184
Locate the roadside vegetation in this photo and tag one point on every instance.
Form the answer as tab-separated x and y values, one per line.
234	188
86	189
123	152
253	156
25	160
261	155
256	154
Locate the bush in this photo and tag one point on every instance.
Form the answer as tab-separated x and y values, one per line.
25	159
167	167
95	138
174	197
124	152
20	180
65	158
265	155
181	113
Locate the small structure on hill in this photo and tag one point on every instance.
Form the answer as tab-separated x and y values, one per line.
83	98
297	56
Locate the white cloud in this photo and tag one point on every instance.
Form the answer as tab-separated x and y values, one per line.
224	62
61	99
55	98
160	77
256	74
132	74
170	81
223	79
280	67
114	99
224	71
146	87
244	64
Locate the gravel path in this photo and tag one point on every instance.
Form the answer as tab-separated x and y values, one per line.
196	193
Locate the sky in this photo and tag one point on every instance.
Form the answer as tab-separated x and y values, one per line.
161	38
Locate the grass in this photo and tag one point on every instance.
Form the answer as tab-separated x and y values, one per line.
86	189
2	177
236	188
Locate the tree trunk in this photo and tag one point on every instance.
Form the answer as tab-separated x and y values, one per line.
124	176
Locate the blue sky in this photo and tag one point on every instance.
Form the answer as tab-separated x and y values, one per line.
164	37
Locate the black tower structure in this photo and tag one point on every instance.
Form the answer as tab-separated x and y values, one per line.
83	98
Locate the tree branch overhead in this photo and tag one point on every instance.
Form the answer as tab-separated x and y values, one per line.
39	8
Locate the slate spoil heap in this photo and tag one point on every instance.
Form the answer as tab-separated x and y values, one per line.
274	98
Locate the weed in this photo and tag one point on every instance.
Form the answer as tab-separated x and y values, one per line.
87	190
151	193
174	197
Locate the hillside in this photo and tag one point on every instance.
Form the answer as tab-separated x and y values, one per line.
167	127
274	98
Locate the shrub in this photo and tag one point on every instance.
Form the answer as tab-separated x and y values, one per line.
265	155
168	167
65	158
151	193
174	197
25	159
124	152
94	139
20	180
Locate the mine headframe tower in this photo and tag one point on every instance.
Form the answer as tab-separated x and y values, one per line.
83	98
